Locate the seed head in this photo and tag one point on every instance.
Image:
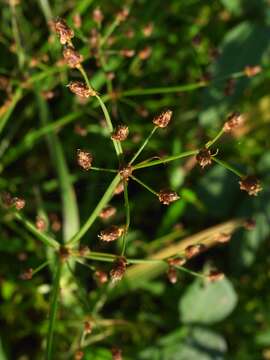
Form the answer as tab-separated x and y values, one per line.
19	203
84	250
163	119
179	261
250	224
148	30
40	223
79	355
63	30
123	14
88	327
223	237
64	253
27	274
119	269
167	196
233	120
111	234
193	250
116	354
120	133
119	188
107	212
125	172
98	16
145	53
215	275
77	20
72	57
251	71
81	89
204	157
84	159
101	277
172	275
250	184
127	53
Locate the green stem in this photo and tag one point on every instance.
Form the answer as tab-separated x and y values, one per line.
104	200
143	146
211	142
165	160
228	167
116	144
109	32
53	310
16	97
40	267
46	239
16	33
104	169
127	207
190	272
144	185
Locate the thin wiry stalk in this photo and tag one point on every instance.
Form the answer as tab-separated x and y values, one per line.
144	185
227	166
127	207
143	145
53	310
103	201
165	160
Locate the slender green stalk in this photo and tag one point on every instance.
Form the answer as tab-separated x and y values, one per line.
127	207
46	239
144	185
109	31
16	33
53	310
117	144
104	169
163	90
5	117
143	145
211	142
104	200
193	273
165	160
40	267
228	167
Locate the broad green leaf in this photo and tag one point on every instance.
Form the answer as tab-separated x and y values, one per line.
207	303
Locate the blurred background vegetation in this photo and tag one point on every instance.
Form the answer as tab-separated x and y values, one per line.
175	43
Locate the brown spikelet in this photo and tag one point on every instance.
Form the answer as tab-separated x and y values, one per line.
145	53
177	261
72	57
215	275
118	269
234	120
84	159
193	250
163	119
107	212
19	203
125	172
98	15
111	234
27	274
120	133
204	157
223	237
63	30
172	275
40	223
250	224
251	71
88	327
123	14
167	196
250	184
64	253
79	354
127	53
101	277
119	188
80	89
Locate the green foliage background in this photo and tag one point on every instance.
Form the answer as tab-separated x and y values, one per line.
224	320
